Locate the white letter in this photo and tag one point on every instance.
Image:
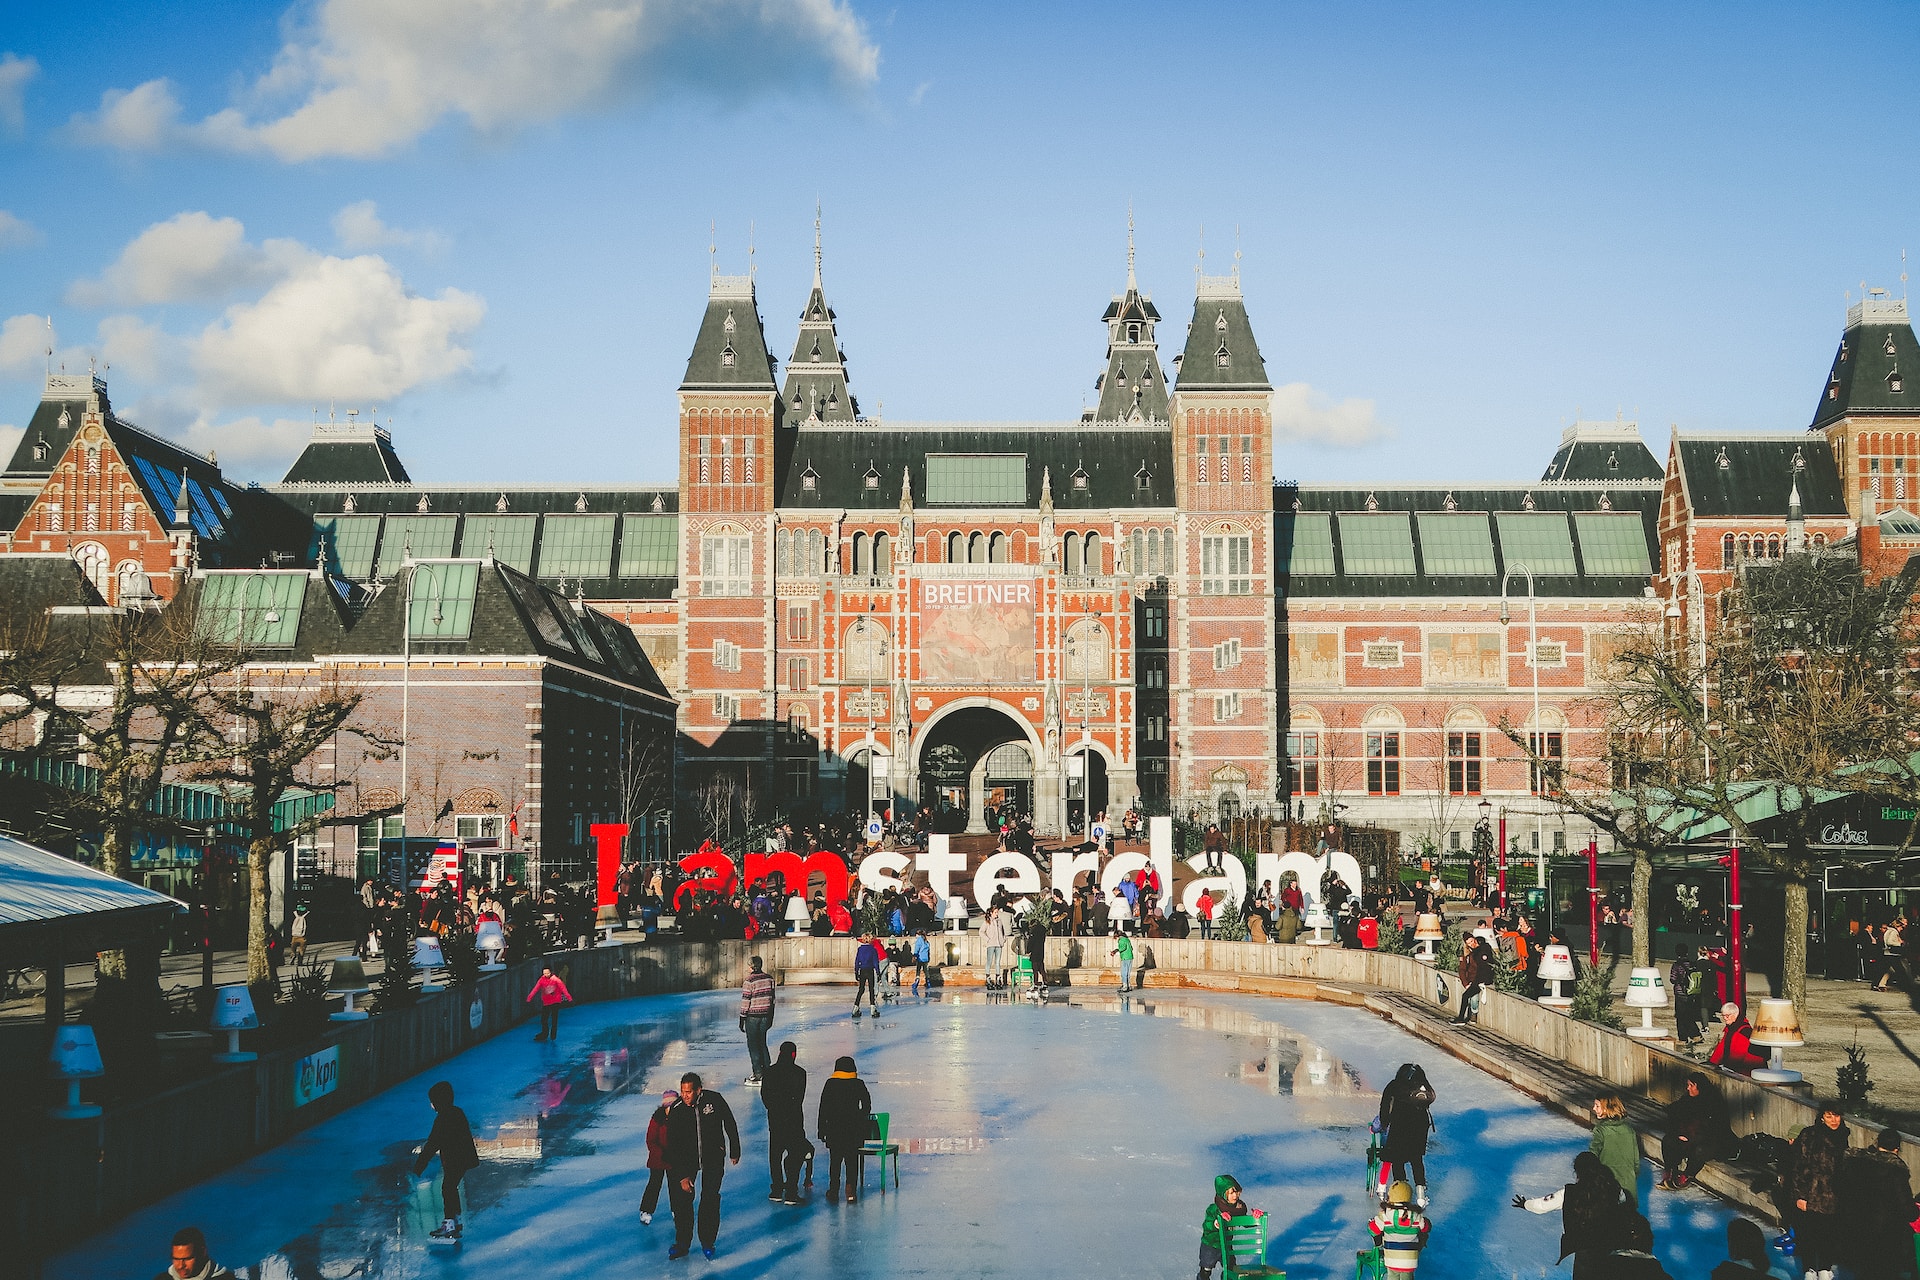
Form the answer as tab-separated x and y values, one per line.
1025	878
938	864
880	871
1067	868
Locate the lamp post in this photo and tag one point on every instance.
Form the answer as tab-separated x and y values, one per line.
1736	959
1086	736
1593	903
413	571
1483	836
1538	736
1696	598
872	659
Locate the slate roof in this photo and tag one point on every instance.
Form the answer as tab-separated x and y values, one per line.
1134	386
35	581
65	395
1603	451
731	324
347	455
816	384
1877	354
1293	503
1110	455
1221	354
1730	476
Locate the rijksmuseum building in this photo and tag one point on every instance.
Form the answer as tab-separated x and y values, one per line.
1060	617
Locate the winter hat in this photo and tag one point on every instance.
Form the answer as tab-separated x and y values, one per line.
670	1095
843	1064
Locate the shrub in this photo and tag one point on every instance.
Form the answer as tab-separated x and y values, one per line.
1228	924
1593	996
395	987
1851	1082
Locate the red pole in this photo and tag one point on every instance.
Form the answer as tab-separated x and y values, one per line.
1593	903
1737	969
1503	860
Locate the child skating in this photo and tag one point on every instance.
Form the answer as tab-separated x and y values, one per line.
1215	1246
1400	1230
656	1156
452	1140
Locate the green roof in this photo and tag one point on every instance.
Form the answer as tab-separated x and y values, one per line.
1457	545
260	608
1540	540
1377	544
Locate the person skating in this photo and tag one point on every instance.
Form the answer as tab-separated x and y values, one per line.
451	1138
1406	1117
1400	1229
1475	973
701	1138
1590	1207
1631	1258
1215	1246
846	1108
1037	953
1615	1142
190	1260
866	975
1876	1209
552	994
922	957
1747	1254
756	1015
1123	950
993	936
1813	1188
656	1155
783	1091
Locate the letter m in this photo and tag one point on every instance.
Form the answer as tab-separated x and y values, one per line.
790	867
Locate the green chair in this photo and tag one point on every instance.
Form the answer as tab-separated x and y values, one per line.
1246	1251
879	1145
1022	969
1370	1264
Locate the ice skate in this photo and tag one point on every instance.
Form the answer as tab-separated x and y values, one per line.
706	1251
1420	1196
876	1011
646	1219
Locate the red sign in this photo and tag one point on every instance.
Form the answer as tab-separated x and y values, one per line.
608	837
713	870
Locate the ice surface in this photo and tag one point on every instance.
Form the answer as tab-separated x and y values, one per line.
1077	1138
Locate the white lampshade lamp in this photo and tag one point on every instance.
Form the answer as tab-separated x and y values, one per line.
1317	922
1647	991
1426	932
233	1013
348	980
954	912
798	917
1777	1027
1556	967
427	956
491	940
75	1056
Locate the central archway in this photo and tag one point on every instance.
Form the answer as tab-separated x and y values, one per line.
972	755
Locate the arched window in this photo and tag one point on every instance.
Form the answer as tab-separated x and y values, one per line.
1139	551
1087	651
882	553
1096	561
128	580
1746	547
977	549
1726	551
997	549
956	548
1773	547
862	560
93	561
816	552
1072	556
782	552
1154	561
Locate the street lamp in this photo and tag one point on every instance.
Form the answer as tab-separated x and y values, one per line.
1538	737
1086	736
435	581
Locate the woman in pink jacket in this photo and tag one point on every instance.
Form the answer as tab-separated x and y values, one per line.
552	993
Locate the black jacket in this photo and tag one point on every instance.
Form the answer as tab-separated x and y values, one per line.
451	1140
845	1108
1588	1213
701	1136
783	1091
1406	1114
1703	1121
1876	1206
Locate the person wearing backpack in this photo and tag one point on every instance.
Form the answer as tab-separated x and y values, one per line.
1687	981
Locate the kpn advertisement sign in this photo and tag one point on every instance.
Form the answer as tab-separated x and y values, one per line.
977	632
316	1075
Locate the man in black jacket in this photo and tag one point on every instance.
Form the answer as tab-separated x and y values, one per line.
783	1090
1697	1131
845	1111
452	1140
701	1138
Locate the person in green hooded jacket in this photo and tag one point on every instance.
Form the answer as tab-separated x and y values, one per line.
1226	1204
1615	1142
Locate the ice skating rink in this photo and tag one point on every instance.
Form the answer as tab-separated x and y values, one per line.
1078	1138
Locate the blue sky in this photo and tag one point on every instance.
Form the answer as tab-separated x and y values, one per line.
488	219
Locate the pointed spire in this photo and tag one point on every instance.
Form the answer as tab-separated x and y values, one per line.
906	491
182	509
1046	491
1133	285
816	244
1796	521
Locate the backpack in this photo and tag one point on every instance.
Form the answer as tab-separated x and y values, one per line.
1696	982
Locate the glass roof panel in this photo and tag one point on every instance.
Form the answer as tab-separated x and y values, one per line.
1376	544
1457	545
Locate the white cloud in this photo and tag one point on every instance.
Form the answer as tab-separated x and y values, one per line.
191	257
15	74
9	440
919	94
359	226
345	327
1304	416
17	233
368	77
250	445
23	345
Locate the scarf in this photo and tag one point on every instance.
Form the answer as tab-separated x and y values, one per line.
844	1075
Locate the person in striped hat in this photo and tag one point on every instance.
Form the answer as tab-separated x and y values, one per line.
1400	1230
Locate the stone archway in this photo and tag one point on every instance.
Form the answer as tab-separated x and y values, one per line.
951	757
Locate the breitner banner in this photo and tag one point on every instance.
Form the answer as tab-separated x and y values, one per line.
977	632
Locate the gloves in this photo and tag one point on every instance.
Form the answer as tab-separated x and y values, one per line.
743	1022
1519	1202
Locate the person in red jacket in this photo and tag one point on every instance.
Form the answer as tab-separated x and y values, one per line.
552	993
1735	1050
656	1155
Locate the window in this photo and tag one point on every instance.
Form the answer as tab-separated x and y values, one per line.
1200	446
1383	764
1246	459
726	655
1726	551
1080	479
423	538
1155	616
1377	544
350	541
95	562
977	479
1220	358
1541	541
371	833
956	548
726	564
977	549
1075	561
1226	565
1153	673
1457	545
484	826
799	624
266	605
1155	729
726	706
1226	655
798	675
862	558
997	548
509	539
1311	551
1463	764
1159	553
1226	706
1138	550
1548	747
1613	542
1893	382
576	547
706	447
726	357
650	546
747	463
882	554
1096	558
1773	546
1303	763
1133	331
800	770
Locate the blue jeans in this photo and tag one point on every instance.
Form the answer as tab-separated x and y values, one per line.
756	1027
1126	974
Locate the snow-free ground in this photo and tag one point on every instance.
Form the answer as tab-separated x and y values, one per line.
1076	1138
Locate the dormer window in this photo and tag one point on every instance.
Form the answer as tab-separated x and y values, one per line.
40	450
1133	331
1799	461
798	403
1120	375
872	479
659	503
1889	346
1080	479
1372	503
1613	460
1142	479
833	398
810	479
1606	502
1146	373
502	504
1843	348
1220	357
1448	504
815	357
1893	382
1526	502
1833	387
726	357
1219	322
1725	463
727	324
